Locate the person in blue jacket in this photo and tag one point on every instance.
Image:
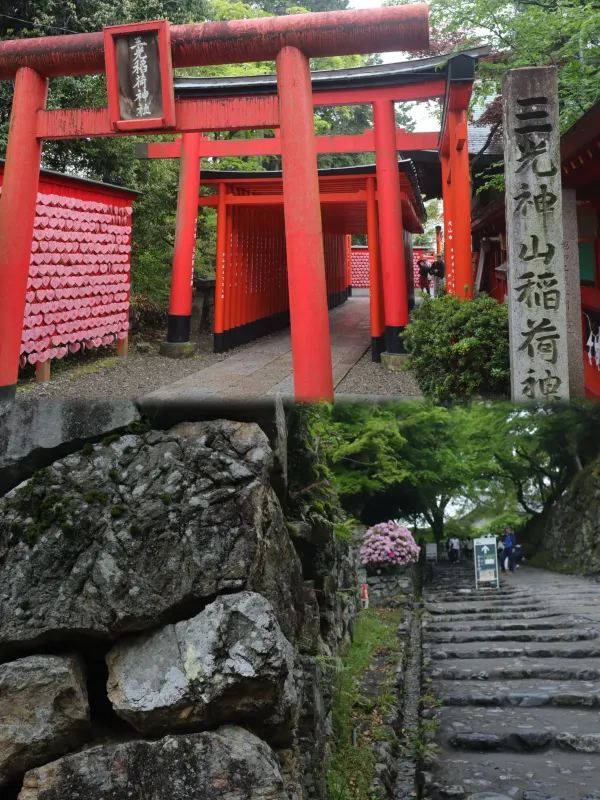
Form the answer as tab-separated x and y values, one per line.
508	553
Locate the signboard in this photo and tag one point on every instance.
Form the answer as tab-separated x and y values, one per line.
431	551
139	76
537	292
486	561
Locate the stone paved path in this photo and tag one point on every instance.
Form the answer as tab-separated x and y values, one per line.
517	675
265	367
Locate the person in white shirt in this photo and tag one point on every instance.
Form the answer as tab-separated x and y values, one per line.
454	549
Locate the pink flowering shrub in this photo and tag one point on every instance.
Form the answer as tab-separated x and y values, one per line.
388	544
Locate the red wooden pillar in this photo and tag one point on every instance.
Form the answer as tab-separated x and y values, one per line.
180	304
447	199
461	196
236	246
17	216
309	321
220	268
375	288
391	234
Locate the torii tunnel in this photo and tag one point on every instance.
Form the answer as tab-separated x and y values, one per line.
251	292
284	103
249	203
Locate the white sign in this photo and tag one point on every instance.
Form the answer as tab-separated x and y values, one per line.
431	551
485	558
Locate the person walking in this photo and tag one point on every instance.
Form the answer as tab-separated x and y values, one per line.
500	550
470	548
454	549
423	274
437	271
509	542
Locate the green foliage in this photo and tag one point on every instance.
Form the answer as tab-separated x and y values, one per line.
491	463
350	768
564	33
459	349
512	519
344	531
434	217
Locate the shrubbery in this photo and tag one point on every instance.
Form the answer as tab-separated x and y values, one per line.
459	348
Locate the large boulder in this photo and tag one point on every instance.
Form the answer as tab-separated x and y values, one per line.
141	530
229	663
227	764
43	711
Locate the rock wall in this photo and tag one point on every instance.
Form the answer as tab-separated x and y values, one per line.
567	536
163	618
392	590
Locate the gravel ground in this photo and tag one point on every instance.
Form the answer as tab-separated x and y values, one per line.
367	378
108	377
105	376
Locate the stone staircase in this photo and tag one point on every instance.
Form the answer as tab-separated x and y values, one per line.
516	676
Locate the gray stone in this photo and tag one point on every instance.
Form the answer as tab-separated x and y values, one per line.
43	711
538	330
177	349
123	535
229	663
489	796
573	289
227	764
35	432
538	796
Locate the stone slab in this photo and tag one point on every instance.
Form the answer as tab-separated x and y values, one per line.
35	432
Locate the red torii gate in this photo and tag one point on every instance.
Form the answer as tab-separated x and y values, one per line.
380	87
191	148
291	41
248	300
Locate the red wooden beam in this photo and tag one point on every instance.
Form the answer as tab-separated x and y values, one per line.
277	199
425	90
356	143
236	41
211	114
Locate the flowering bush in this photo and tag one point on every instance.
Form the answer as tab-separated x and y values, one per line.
388	544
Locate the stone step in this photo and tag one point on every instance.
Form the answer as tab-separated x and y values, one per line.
542	614
481	608
513	649
560	669
532	635
520	730
541	623
562	694
496	597
534	776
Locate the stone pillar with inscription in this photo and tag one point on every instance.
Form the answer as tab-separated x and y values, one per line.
537	287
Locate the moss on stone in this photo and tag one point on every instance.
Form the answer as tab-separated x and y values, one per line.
93	496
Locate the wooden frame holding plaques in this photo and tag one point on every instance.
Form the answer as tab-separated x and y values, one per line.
139	76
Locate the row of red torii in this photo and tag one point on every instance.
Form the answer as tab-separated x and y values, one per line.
287	108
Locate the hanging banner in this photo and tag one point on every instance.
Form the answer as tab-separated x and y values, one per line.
485	557
139	76
536	266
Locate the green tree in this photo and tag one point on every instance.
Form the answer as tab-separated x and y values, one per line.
408	459
564	33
